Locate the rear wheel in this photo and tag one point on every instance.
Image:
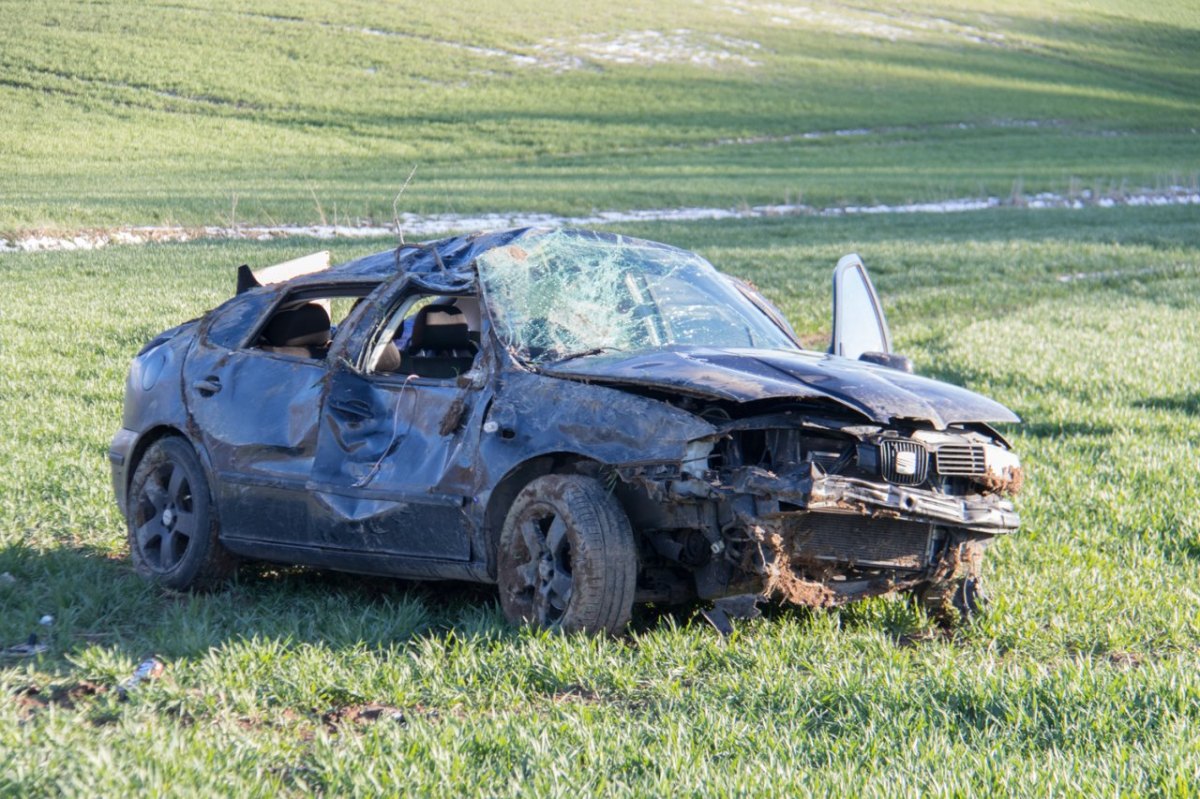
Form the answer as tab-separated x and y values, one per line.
567	559
171	519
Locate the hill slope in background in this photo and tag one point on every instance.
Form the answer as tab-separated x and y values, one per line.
126	112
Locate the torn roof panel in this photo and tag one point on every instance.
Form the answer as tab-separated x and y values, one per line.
444	263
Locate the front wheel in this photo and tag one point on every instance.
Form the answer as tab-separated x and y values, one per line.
954	602
567	559
956	594
172	523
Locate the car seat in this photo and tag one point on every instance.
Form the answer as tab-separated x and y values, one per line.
440	344
303	331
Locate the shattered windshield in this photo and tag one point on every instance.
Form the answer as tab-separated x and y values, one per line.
556	295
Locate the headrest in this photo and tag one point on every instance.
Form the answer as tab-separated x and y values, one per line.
468	306
305	326
440	327
449	316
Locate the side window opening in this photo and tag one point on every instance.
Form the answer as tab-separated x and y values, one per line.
303	324
429	336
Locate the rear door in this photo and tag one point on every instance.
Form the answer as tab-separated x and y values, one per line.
255	413
255	409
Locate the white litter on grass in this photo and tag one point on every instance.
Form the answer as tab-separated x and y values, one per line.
680	46
428	225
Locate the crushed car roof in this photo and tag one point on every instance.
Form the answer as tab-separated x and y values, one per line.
744	375
448	264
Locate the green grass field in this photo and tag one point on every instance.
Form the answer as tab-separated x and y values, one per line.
1084	677
130	113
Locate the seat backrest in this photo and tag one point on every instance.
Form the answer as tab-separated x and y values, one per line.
440	329
307	327
440	345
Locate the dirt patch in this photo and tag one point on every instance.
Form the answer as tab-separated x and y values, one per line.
362	715
576	694
33	698
1125	661
784	580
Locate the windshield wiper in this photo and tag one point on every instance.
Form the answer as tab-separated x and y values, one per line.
583	354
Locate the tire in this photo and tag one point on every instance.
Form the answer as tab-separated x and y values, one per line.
172	521
952	604
567	559
956	594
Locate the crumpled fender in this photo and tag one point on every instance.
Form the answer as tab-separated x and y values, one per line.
534	414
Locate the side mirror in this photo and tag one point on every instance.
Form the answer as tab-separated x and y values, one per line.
858	322
891	360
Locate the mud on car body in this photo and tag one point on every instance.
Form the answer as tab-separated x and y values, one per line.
587	420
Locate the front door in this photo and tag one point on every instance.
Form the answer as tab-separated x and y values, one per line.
392	472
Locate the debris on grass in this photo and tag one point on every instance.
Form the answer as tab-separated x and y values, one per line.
30	648
149	669
726	609
7	579
361	715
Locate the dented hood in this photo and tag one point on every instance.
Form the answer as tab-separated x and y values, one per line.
743	375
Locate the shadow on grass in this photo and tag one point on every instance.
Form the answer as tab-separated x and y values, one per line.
1188	403
96	599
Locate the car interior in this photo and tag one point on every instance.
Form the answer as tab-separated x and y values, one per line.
435	337
429	336
303	331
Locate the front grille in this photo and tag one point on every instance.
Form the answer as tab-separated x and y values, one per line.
966	460
858	540
896	453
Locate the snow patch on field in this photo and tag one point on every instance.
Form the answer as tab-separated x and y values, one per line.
430	225
487	52
647	47
842	19
680	46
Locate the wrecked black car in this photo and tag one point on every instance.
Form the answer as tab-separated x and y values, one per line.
587	420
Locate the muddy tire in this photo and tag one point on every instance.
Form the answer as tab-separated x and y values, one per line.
953	603
567	559
956	594
172	522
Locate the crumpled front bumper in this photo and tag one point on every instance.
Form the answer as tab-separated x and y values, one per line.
814	490
821	539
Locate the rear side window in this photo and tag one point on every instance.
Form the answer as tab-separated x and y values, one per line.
303	323
233	322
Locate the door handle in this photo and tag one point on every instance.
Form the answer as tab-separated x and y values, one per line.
352	408
208	386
